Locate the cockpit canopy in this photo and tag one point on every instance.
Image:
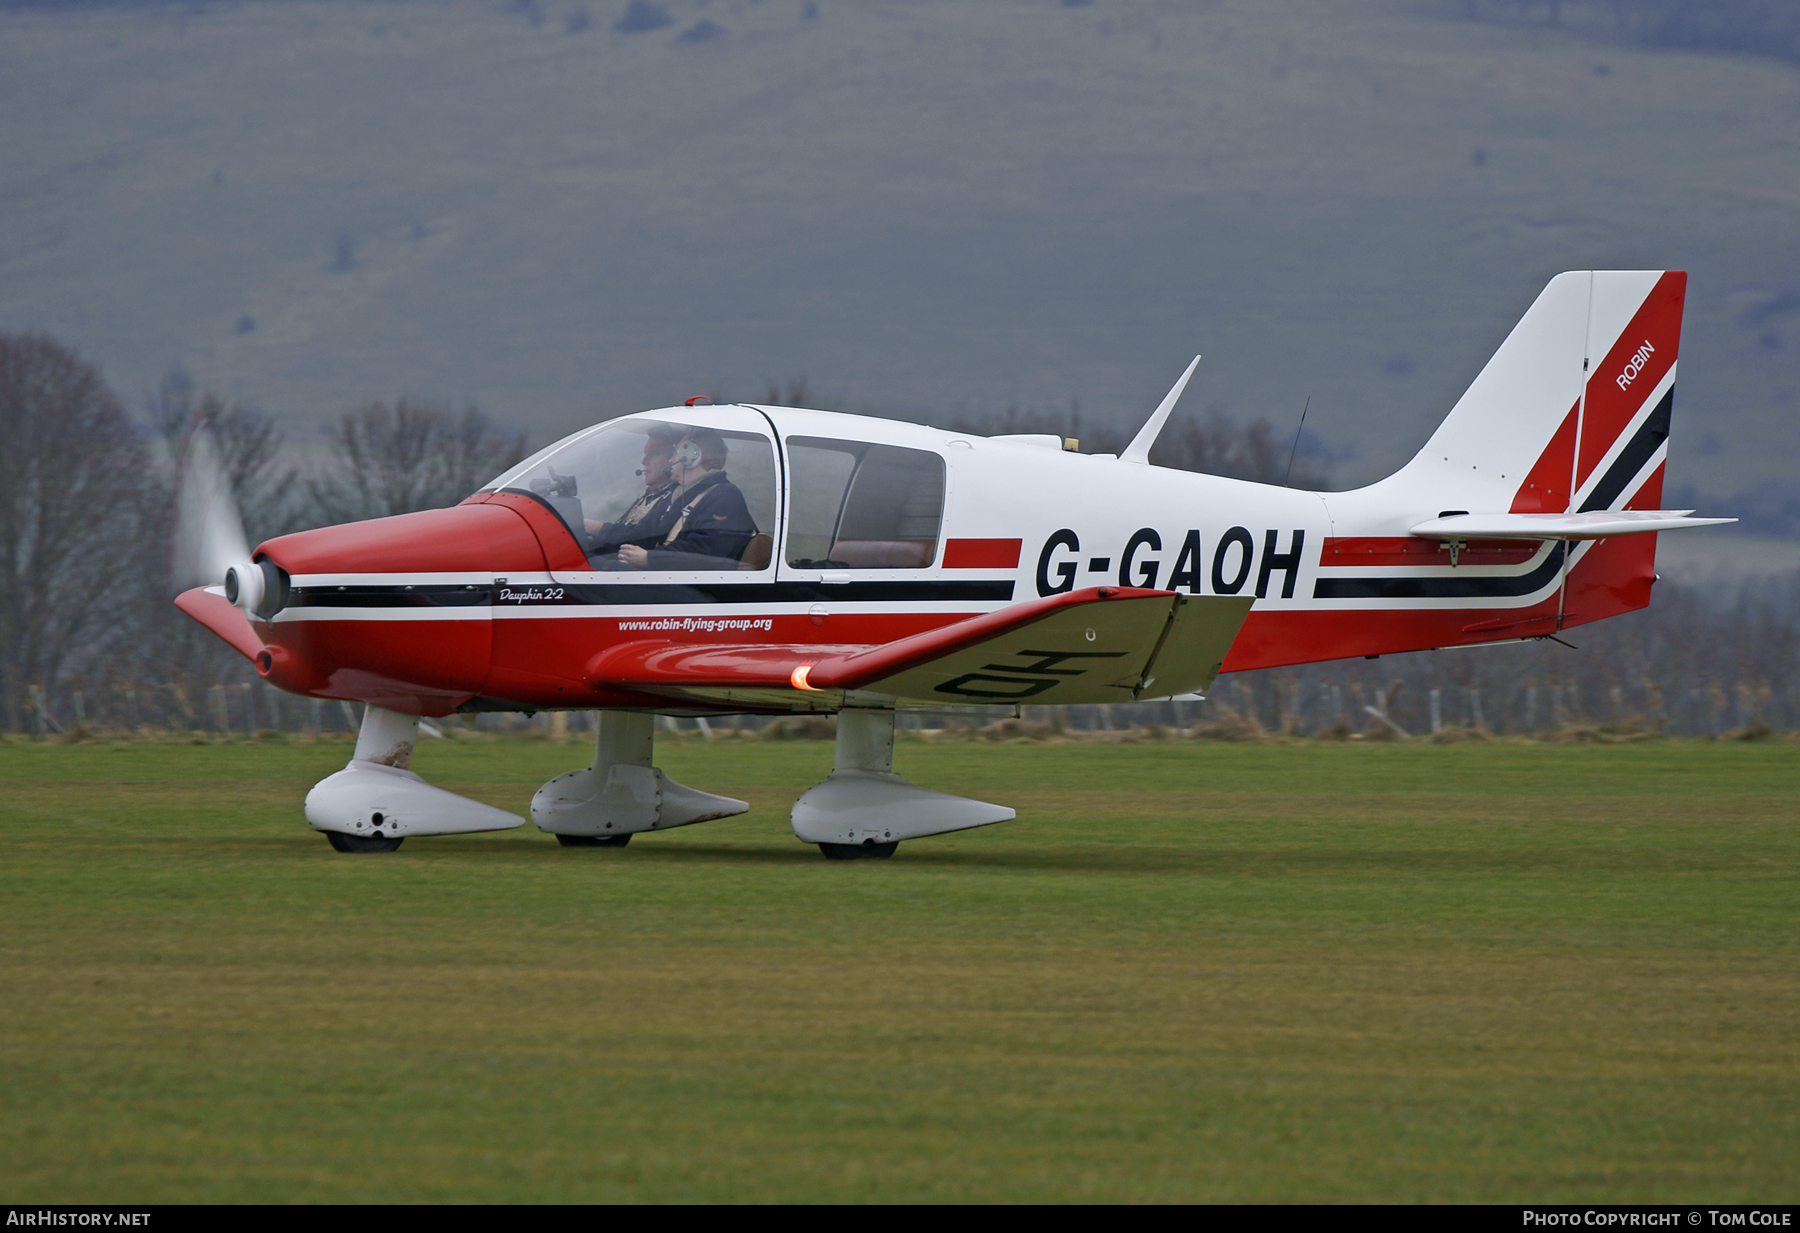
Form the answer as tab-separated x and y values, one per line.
611	486
854	505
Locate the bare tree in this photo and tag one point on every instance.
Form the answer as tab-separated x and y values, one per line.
410	456
1257	451
264	486
795	394
1216	444
73	502
1094	438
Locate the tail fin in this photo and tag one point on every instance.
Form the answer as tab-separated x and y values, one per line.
1569	418
1572	413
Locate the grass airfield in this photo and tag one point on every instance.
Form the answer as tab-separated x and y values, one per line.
1189	971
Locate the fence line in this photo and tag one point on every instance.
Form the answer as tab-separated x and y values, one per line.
1697	664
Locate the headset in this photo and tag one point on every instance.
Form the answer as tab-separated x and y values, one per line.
687	454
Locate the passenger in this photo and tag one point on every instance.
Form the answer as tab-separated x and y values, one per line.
712	526
648	519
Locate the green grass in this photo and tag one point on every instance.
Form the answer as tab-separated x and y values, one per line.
1188	971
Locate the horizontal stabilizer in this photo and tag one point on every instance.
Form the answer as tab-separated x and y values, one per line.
1595	524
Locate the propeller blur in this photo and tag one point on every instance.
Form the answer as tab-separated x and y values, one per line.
209	538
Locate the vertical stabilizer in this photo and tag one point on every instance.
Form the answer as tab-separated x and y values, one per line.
1572	412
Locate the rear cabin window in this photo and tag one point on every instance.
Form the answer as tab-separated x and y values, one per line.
859	506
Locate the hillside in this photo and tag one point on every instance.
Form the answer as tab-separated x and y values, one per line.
925	208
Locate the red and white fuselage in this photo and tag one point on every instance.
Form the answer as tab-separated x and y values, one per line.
894	561
494	603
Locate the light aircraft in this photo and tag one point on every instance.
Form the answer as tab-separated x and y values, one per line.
886	564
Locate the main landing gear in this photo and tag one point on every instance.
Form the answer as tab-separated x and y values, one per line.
863	810
604	805
867	850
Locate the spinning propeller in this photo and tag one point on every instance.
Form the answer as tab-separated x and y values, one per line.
209	544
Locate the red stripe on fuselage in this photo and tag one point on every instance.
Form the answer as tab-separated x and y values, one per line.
1411	550
981	554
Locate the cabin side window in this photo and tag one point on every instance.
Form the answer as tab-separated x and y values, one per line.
853	505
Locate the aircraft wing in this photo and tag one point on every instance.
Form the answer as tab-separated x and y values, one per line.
1594	524
209	606
1104	644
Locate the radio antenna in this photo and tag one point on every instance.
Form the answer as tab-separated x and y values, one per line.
1296	449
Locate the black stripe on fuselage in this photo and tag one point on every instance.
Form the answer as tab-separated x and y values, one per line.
1444	588
634	594
457	595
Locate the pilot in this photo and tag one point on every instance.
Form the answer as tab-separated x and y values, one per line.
712	524
648	519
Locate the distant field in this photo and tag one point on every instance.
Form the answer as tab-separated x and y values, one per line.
1189	971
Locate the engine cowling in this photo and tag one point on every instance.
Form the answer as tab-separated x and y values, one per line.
365	610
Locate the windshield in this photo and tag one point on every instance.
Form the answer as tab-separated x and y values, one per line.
644	494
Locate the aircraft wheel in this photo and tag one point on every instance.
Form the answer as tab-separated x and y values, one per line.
593	841
858	851
361	843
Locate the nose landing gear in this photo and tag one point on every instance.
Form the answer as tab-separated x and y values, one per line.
375	801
